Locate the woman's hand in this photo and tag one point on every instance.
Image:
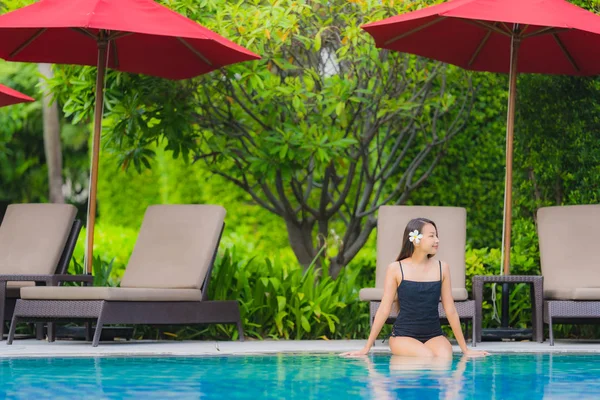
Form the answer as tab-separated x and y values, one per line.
363	352
475	353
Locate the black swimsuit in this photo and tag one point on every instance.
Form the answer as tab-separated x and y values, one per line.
418	317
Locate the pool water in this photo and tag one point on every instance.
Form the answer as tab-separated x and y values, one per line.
529	376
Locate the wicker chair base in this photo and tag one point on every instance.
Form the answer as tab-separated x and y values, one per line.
126	312
570	312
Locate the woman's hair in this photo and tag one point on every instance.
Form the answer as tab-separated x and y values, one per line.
408	247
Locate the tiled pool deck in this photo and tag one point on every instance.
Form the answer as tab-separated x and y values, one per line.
34	348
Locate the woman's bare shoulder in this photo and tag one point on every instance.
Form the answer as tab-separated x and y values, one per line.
393	269
445	267
393	272
393	266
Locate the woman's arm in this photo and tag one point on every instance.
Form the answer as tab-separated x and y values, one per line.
389	293
452	314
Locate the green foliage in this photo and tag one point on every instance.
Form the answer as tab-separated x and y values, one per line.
112	246
22	170
124	195
102	272
590	5
10	5
559	154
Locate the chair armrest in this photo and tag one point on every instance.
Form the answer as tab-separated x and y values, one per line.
88	279
26	278
50	280
508	278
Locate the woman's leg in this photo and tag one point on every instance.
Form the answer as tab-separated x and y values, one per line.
440	346
407	346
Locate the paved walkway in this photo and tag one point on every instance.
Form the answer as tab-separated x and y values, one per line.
34	348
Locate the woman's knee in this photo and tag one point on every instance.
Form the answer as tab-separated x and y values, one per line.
440	347
443	353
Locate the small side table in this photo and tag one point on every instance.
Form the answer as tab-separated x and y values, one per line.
537	299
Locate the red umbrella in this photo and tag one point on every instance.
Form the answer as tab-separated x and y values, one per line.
126	35
9	96
514	36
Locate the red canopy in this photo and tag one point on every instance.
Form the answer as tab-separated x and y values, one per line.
148	38
557	37
9	96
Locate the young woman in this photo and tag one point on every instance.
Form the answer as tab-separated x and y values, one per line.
419	280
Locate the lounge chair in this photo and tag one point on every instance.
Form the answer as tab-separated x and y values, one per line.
452	226
36	245
165	282
569	237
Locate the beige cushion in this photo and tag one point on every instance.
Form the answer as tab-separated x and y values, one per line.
370	294
573	294
18	285
175	247
569	238
13	289
375	294
33	237
452	230
586	294
109	293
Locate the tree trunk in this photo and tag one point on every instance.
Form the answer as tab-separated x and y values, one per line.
52	143
300	238
335	267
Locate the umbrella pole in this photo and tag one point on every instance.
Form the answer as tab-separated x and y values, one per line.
91	217
512	92
506	229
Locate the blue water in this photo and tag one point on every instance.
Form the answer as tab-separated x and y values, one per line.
320	377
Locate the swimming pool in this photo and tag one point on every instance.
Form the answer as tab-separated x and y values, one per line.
560	376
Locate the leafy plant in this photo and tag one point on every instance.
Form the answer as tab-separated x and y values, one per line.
111	242
102	271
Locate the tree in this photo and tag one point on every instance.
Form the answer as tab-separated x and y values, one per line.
52	142
321	132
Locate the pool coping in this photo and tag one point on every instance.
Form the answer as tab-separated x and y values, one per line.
31	348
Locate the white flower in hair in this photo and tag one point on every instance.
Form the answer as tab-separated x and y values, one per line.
415	236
